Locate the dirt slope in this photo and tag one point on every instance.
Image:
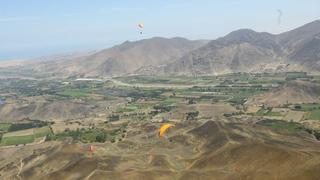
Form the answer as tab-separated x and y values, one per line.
211	150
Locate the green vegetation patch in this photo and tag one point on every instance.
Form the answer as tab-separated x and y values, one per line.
41	132
15	140
74	93
281	125
296	74
170	101
167	79
91	135
28	125
4	127
314	115
267	112
306	107
129	108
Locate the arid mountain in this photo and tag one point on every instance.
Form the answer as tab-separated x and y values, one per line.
240	51
249	51
294	92
122	59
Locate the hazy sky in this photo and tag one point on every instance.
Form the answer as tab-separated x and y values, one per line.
31	28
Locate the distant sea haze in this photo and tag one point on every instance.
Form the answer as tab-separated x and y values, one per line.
49	50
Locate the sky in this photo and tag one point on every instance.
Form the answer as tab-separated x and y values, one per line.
35	28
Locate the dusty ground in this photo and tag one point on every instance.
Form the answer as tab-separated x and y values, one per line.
193	150
296	116
293	92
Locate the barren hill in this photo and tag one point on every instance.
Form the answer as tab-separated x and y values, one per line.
294	92
43	110
122	59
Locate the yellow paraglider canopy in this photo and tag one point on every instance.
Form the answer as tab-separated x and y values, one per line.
164	128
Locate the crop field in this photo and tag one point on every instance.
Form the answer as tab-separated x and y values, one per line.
74	93
308	107
41	132
314	115
4	126
281	125
24	136
15	140
168	79
267	112
128	108
295	116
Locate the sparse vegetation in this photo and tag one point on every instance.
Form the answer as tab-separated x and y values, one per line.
281	125
28	125
5	127
192	115
315	115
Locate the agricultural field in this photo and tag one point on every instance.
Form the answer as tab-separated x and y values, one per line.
24	136
306	107
4	127
268	112
295	116
314	115
281	125
74	93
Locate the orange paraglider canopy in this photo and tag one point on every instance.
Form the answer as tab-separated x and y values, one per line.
164	129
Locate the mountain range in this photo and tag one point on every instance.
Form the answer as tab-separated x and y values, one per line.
243	50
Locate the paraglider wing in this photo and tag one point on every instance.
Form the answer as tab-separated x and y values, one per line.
164	129
141	25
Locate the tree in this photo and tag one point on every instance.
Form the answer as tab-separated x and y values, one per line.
192	115
192	101
297	107
101	137
114	117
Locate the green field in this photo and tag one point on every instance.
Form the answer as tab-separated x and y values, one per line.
169	101
168	79
296	74
41	132
274	114
4	126
267	112
242	95
282	125
74	93
309	107
129	108
15	140
314	115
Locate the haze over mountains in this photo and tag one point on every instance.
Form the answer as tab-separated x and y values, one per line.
243	50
